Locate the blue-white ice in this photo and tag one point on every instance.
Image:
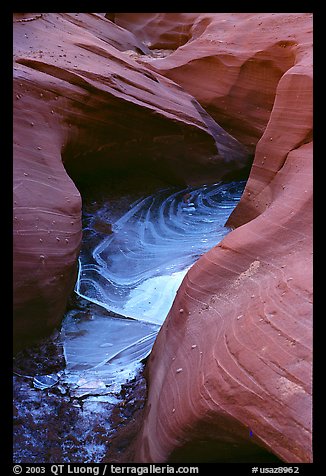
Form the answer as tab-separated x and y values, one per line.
135	272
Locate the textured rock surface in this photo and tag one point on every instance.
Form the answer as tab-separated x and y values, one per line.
233	370
81	99
231	63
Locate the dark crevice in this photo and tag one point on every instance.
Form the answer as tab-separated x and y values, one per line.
212	451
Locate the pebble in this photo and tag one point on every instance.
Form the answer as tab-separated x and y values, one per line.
194	346
179	370
181	311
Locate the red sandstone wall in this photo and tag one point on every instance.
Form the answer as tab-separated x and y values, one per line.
238	359
80	98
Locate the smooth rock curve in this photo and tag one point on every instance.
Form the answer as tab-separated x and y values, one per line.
234	370
82	104
231	62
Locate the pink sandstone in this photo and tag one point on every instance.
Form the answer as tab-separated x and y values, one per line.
244	342
82	104
233	371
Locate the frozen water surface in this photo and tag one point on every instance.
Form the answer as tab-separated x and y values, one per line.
67	400
133	273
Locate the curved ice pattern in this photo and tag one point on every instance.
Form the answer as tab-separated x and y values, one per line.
136	272
159	237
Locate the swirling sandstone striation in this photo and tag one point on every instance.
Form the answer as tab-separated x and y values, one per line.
81	99
231	368
231	63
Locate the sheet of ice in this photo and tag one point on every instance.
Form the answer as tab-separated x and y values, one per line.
135	272
102	352
151	300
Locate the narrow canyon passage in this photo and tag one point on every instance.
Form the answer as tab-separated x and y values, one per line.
162	228
133	258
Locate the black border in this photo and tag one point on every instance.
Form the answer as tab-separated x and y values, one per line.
319	157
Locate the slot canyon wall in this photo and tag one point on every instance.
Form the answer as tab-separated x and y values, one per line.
231	367
83	104
232	362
